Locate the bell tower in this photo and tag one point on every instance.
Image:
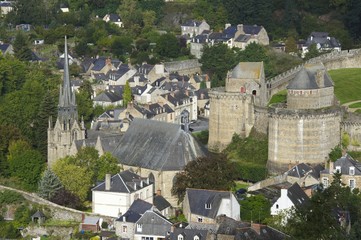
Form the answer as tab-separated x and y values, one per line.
67	129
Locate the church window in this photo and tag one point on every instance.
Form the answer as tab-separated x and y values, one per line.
125	229
208	206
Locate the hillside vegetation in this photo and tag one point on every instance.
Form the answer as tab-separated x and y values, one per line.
347	84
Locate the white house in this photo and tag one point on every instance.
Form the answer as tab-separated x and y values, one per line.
289	199
114	18
203	206
114	196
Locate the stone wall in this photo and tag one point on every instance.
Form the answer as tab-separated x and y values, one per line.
352	127
261	119
297	136
230	113
310	98
186	67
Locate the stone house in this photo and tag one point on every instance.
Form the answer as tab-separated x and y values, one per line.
6	48
193	28
121	75
152	225
152	72
323	42
247	34
114	18
164	207
125	224
154	111
6	7
108	98
290	198
178	233
158	151
348	167
102	65
197	79
114	196
203	206
304	174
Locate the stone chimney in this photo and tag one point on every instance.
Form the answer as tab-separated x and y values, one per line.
107	181
240	28
330	166
159	192
136	80
227	25
256	227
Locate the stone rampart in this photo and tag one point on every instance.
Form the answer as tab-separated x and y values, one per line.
301	136
185	67
351	125
333	60
261	119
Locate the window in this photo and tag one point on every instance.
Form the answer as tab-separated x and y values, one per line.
352	171
196	237
325	182
125	229
277	206
139	227
208	206
338	169
200	219
147	238
352	183
180	237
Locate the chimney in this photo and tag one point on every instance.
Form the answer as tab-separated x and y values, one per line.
159	192
330	166
108	61
135	186
136	80
107	181
289	165
240	28
284	192
227	25
124	219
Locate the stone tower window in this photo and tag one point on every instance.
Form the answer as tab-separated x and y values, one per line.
254	92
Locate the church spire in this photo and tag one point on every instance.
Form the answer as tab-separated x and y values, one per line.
67	108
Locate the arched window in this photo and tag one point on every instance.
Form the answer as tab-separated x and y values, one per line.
180	237
196	237
254	92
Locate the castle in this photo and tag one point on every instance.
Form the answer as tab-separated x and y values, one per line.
304	129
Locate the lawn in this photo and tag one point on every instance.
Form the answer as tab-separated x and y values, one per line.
347	84
355	105
280	97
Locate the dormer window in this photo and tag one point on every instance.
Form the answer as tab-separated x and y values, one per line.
196	237
139	227
180	237
338	169
208	206
200	219
352	171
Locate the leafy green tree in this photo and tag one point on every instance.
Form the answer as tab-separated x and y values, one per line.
291	45
255	208
106	164
220	171
65	198
353	18
21	47
12	72
25	163
75	179
84	101
216	61
127	94
312	52
49	185
168	46
28	11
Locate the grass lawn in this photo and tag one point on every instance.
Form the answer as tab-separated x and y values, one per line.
355	105
347	84
280	97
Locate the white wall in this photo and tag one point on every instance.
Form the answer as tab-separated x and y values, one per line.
282	204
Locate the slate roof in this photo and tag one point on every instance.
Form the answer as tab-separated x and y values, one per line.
243	38
153	223
6	4
323	39
107	96
306	78
230	31
302	169
247	70
114	17
91	220
192	23
345	162
145	68
4	47
99	64
123	182
135	211
157	145
116	74
38	214
160	202
188	234
198	198
297	196
272	192
252	29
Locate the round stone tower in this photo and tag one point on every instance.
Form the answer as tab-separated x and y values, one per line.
308	126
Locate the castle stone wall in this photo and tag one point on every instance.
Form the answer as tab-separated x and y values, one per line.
353	129
301	136
310	98
230	113
261	119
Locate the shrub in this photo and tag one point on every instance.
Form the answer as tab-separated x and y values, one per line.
10	197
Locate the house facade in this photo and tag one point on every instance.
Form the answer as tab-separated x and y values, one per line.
115	195
323	42
203	206
152	226
193	28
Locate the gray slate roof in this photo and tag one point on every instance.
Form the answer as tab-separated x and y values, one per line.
198	198
107	96
247	70
302	169
91	220
123	182
188	234
306	78
297	195
160	202
323	39
4	47
135	211
153	223
157	145
345	162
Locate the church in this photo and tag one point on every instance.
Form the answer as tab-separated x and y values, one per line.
153	149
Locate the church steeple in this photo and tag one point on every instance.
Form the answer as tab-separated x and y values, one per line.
67	108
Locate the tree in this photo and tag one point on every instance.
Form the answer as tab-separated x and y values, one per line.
106	164
312	52
127	94
291	45
255	208
21	47
75	179
65	198
216	61
49	185
220	175
168	46
25	163
84	101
